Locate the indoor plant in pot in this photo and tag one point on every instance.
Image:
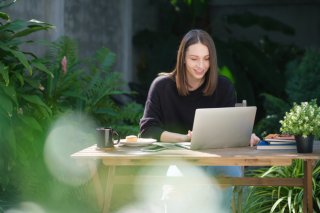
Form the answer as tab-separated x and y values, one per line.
302	121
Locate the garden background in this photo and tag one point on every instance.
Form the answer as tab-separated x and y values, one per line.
84	64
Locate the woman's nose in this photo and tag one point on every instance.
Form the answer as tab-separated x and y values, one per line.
200	63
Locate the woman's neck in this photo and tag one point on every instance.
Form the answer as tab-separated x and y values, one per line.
194	84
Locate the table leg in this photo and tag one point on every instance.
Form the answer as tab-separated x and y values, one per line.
109	188
307	185
97	184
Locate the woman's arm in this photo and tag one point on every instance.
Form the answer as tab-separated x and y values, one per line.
151	122
175	137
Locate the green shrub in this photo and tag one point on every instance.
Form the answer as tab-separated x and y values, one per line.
303	75
303	78
282	198
34	92
90	86
23	113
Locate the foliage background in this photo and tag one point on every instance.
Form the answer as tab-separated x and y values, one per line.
268	74
34	93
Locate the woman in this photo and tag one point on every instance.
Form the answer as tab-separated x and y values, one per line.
194	83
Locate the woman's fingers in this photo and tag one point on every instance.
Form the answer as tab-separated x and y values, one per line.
254	140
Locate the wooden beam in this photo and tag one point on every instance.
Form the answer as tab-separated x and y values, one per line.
232	181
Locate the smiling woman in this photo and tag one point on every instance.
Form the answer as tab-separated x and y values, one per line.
174	97
194	83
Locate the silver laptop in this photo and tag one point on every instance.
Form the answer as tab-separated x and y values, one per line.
221	128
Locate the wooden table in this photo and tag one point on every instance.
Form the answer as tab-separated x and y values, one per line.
244	156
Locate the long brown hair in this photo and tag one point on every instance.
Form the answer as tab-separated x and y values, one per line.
179	74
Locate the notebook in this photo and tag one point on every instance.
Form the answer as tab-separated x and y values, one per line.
221	128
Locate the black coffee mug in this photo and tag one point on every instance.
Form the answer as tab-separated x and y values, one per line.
106	138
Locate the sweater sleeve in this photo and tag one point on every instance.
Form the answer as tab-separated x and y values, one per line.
150	123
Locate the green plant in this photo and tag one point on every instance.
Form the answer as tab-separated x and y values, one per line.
301	84
275	109
23	113
33	92
280	198
302	120
102	92
62	89
90	86
303	77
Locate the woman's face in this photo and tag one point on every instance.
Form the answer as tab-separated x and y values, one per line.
197	62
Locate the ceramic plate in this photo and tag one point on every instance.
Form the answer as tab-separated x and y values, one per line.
140	142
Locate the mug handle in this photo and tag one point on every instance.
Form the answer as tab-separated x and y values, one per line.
116	134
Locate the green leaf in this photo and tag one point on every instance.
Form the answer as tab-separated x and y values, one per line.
20	56
225	71
4	73
290	200
19	77
318	201
6	104
30	30
34	99
34	83
11	92
31	122
105	58
11	42
275	205
10	137
4	16
44	109
14	25
37	64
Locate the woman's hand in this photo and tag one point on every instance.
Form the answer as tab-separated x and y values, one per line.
189	135
254	140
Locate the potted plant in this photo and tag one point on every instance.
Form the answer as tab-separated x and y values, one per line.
302	121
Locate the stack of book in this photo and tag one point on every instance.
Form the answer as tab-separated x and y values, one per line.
277	141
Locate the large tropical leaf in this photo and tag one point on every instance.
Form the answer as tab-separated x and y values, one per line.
41	67
19	55
6	104
4	16
14	25
4	73
37	101
10	92
31	122
31	29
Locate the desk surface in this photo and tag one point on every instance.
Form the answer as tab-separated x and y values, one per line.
241	156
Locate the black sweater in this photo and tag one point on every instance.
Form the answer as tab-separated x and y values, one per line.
166	110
